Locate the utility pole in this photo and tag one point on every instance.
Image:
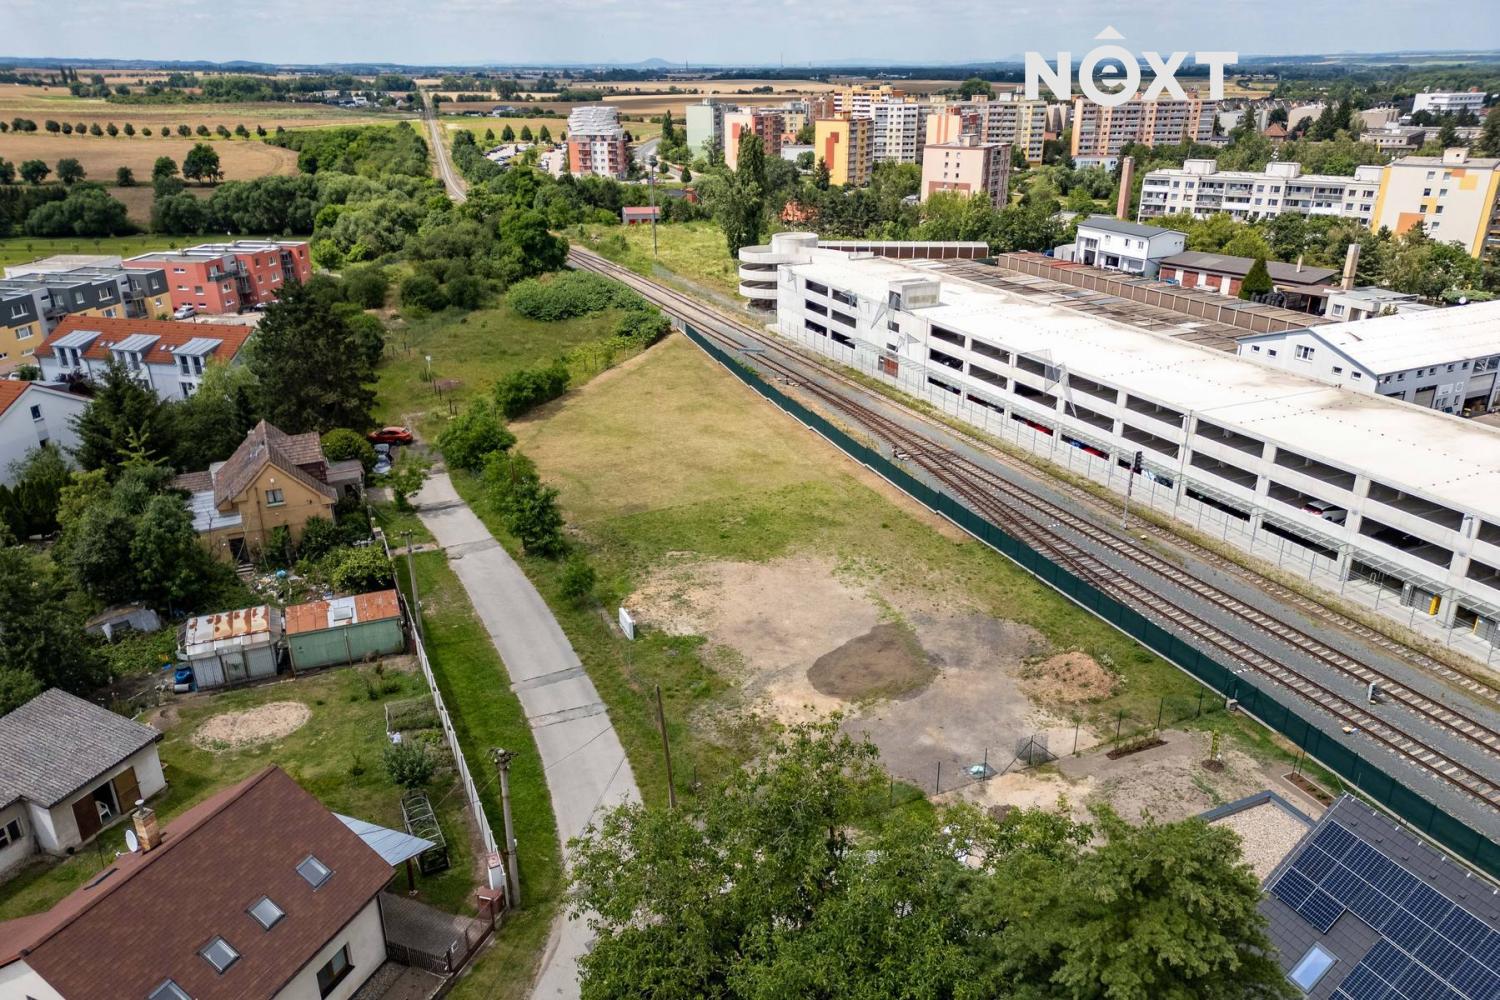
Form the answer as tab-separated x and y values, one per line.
502	763
1135	470
666	749
651	177
416	600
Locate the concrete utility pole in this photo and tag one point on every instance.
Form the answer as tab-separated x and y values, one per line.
651	176
502	763
416	600
666	749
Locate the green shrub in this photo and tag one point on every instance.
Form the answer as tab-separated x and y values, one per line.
642	327
570	294
420	293
341	444
359	571
530	387
320	536
530	513
578	580
469	439
409	765
366	285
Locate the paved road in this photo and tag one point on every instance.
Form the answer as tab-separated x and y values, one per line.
455	185
586	768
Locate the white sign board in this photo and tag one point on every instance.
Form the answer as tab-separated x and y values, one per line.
627	624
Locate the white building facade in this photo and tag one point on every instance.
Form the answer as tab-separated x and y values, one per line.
1202	189
33	415
1113	245
1397	504
1444	102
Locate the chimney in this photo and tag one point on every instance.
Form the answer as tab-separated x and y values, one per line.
1351	264
147	831
1299	263
1127	177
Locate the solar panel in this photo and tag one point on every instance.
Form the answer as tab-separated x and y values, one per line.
1431	948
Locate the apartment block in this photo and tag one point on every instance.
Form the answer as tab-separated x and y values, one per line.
767	124
968	166
847	145
1457	198
900	130
1201	189
704	126
218	278
35	297
1105	131
860	99
167	357
596	142
1450	102
1023	125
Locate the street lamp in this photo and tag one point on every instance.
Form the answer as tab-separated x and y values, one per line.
651	177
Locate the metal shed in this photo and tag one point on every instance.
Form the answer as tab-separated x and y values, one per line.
231	647
344	630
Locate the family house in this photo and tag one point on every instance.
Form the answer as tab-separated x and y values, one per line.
167	356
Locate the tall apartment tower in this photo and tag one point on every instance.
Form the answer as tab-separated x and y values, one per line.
1104	131
705	126
967	165
900	130
766	123
596	142
845	143
1021	124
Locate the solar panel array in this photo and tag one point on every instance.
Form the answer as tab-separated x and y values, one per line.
1433	949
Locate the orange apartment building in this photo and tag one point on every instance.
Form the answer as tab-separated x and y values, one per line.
219	278
1100	131
847	145
769	124
596	142
967	166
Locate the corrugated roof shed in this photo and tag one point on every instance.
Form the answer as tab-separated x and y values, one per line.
245	627
315	616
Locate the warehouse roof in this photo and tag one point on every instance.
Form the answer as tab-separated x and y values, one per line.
56	743
1411	340
1238	267
1443	457
316	616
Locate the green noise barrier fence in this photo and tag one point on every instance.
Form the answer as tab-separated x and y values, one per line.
1373	781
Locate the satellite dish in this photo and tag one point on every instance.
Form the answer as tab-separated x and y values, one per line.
132	841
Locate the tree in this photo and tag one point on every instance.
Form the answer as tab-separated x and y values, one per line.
163	169
111	130
307	362
975	87
470	438
421	294
366	285
52	126
1488	143
531	514
668	130
124	177
34	171
526	133
7	171
543	135
507	134
1257	280
687	175
28	506
211	423
738	201
95	130
342	444
124	422
183	131
129	129
42	643
170	566
201	164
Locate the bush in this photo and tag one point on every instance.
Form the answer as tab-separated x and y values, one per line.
341	444
572	293
578	580
473	435
366	285
409	765
320	536
360	571
522	390
642	327
530	513
422	293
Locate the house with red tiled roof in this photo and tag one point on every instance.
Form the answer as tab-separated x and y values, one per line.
32	415
168	356
273	480
258	891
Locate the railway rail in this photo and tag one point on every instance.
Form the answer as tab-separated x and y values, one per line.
1036	521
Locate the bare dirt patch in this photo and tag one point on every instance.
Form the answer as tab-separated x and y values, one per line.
885	662
1067	678
264	724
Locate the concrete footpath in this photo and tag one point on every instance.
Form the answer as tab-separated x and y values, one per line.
585	764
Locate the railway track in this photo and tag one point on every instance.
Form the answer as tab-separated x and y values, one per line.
1035	520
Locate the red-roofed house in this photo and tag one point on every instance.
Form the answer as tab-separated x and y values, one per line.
258	891
32	415
168	356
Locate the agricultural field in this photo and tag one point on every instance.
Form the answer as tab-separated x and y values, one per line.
23	249
240	159
326	730
773	580
40	103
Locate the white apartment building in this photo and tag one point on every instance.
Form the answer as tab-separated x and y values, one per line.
704	125
1023	124
1368	496
1443	359
1202	189
900	130
1444	102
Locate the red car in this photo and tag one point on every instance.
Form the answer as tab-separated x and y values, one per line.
391	435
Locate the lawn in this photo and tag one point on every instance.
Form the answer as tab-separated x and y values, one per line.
487	714
694	250
473	349
22	249
673	456
335	755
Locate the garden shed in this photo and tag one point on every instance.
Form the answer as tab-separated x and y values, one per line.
344	630
231	647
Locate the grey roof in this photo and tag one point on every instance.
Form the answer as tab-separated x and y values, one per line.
393	846
136	342
56	743
78	338
1240	266
1350	939
1112	225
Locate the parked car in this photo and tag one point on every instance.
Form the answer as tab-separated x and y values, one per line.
383	450
391	435
1325	510
183	312
382	465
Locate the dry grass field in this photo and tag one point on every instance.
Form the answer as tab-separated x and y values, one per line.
41	103
240	159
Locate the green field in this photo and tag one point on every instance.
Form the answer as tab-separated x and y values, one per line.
694	250
640	130
335	755
24	249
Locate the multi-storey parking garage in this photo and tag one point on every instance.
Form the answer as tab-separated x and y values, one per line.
1392	504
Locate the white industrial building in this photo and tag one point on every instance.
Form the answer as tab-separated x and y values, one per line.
1442	102
1445	359
1202	189
1393	505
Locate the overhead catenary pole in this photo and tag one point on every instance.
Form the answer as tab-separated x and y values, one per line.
512	868
666	749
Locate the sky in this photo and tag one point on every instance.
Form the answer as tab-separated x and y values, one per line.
721	32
